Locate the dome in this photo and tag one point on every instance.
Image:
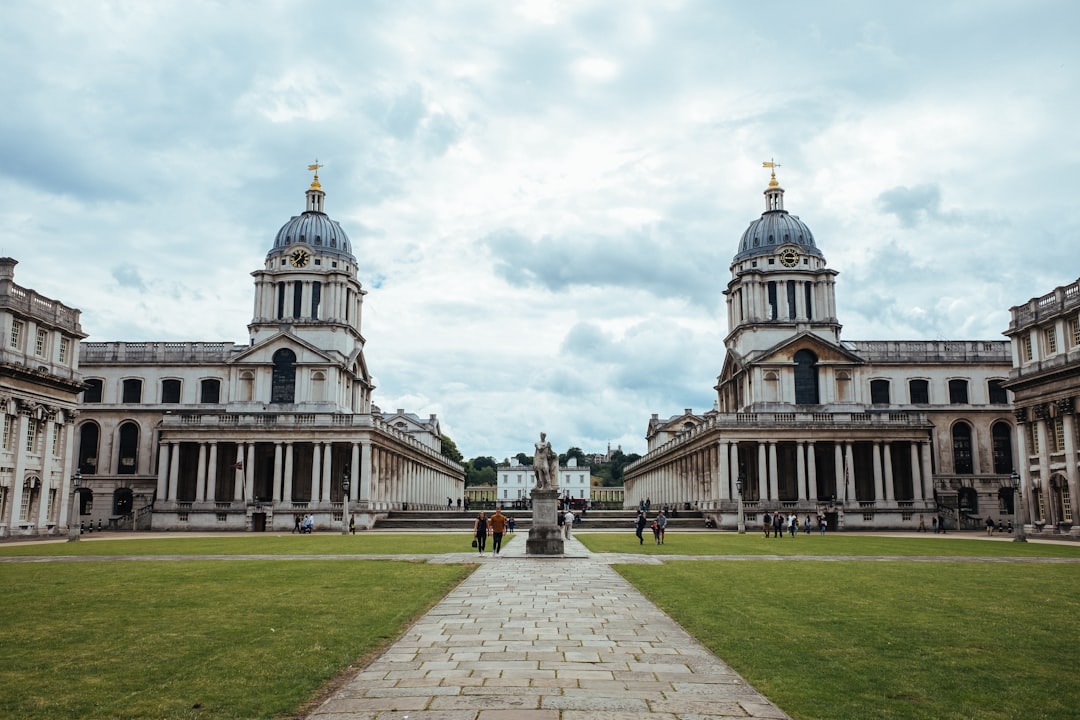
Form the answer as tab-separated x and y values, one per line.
775	228
314	227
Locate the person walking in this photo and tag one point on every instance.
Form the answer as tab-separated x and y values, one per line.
352	524
510	524
480	531
567	522
778	524
766	523
661	526
806	526
498	527
823	523
639	526
989	525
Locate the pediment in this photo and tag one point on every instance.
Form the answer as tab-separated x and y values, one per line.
827	353
262	353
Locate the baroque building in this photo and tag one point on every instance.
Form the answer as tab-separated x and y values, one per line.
1045	382
871	435
217	436
39	389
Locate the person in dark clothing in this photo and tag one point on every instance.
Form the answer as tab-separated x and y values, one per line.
778	524
766	523
639	527
480	529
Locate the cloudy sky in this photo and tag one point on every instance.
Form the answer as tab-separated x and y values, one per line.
544	197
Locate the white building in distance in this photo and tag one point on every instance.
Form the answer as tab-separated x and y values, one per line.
515	481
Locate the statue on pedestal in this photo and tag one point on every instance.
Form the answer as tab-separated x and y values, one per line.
546	465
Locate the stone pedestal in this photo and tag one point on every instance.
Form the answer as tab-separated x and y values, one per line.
545	535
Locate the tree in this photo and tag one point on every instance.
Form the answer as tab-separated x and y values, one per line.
450	449
523	458
481	471
574	452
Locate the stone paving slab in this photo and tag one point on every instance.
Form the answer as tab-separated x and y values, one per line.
563	638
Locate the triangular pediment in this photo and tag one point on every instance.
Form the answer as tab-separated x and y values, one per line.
262	353
828	353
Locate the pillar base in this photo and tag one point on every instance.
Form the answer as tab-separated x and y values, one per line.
545	535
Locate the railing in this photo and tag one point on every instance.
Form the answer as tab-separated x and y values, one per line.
154	352
40	307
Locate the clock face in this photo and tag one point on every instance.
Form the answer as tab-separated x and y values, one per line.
789	258
299	258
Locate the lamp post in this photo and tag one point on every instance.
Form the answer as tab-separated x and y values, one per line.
1018	500
74	531
742	517
345	497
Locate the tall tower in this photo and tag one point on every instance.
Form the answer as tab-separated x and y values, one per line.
780	285
308	292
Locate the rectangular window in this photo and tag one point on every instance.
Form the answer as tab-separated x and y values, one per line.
958	392
39	343
1074	330
9	428
1051	341
772	301
64	344
879	392
16	334
1025	347
56	440
31	435
1033	435
24	507
998	395
1058	427
920	392
1066	504
52	504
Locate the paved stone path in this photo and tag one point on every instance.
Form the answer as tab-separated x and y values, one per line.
528	638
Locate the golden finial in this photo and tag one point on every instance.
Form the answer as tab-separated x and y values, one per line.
772	166
315	182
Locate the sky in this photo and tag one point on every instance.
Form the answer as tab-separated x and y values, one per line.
544	197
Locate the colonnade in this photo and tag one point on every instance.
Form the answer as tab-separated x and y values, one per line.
36	493
705	475
1047	455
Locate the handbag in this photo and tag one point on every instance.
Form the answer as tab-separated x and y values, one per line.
474	542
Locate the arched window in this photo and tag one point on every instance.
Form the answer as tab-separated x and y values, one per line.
247	386
1001	436
170	391
128	458
961	441
879	392
88	448
283	385
919	390
92	393
210	391
806	378
132	391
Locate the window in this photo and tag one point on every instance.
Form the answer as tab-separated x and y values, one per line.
919	391
1074	331
210	390
132	391
962	461
56	439
9	428
958	392
92	393
129	449
1001	436
316	298
170	391
283	380
39	342
16	334
31	435
806	378
879	392
65	343
1057	432
1051	341
1025	348
998	395
1033	435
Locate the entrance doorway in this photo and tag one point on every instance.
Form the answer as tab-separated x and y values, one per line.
258	522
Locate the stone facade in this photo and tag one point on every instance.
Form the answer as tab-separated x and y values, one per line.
217	436
1045	382
515	481
872	435
39	387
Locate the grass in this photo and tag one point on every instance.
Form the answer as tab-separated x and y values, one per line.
249	544
198	639
824	545
892	639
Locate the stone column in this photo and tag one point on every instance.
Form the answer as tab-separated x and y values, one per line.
361	458
890	487
249	473
163	470
774	479
916	473
316	470
200	475
174	472
1072	475
811	475
763	472
238	473
276	488
722	486
800	470
287	486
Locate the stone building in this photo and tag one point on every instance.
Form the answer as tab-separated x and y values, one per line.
1045	382
39	388
880	434
217	436
515	481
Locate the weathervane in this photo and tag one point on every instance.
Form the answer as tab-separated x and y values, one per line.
767	164
315	167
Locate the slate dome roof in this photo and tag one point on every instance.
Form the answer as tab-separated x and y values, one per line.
315	229
776	227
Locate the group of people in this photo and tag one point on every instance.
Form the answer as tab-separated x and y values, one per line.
496	526
776	524
303	524
659	525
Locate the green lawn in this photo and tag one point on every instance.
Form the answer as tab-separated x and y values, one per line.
820	545
198	639
255	544
834	640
